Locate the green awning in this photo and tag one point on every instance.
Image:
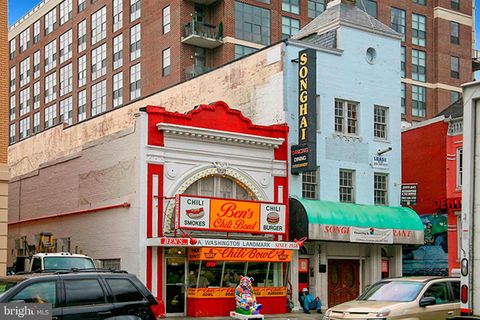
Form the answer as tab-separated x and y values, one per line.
335	221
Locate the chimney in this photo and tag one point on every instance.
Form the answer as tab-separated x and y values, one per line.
332	3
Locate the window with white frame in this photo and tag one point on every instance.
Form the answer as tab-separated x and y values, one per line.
12	133
117	14
13	102
118	51
346	117
310	185
347	185
24	106
51	21
50	55
36	122
99	98
135	42
292	6
24	128
418	65
82	4
99	25
24	40
82	105
117	89
65	11
419	108
380	122
82	35
12	48
36	95
134	10
50	116
459	168
25	72
418	30
66	111
82	70
135	81
380	189
36	31
99	61
166	19
166	62
36	64
66	79
51	87
66	46
13	75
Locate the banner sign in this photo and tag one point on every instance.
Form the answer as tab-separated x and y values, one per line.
379	162
408	196
239	254
230	292
371	235
204	242
198	213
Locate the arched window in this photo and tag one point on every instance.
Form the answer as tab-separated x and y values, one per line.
221	187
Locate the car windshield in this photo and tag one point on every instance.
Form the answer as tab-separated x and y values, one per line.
66	263
8	283
396	291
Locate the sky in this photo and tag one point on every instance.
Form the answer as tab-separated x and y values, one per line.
17	8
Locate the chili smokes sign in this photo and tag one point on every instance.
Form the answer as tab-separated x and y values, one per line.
199	213
304	155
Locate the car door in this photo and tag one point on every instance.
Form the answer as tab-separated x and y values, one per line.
443	306
85	299
128	299
455	297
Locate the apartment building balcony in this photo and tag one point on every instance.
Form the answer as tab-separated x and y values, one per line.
475	60
195	70
201	34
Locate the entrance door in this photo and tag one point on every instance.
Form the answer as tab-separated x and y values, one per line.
343	281
175	285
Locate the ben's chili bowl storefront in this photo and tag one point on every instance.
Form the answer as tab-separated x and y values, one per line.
216	210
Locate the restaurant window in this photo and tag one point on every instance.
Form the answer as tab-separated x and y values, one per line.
398	21
315	8
454	32
369	6
418	101
418	65
347	185
219	186
455	4
292	6
459	167
289	27
241	51
346	121
380	189
310	185
252	23
418	30
117	14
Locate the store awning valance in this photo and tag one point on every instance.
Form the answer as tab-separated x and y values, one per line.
334	221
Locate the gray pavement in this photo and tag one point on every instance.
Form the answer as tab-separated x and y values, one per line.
286	316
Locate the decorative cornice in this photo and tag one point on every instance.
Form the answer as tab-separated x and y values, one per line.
219	136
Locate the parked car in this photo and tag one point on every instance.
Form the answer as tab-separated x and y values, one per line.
83	295
415	298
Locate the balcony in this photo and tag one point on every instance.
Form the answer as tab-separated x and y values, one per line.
201	34
195	70
475	60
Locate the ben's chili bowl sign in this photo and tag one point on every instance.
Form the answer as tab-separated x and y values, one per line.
239	254
229	215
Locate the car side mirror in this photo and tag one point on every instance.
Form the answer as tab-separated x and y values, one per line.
427	301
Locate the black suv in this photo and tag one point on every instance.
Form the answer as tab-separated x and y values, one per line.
84	295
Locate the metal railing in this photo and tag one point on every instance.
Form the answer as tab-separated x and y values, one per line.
195	70
201	29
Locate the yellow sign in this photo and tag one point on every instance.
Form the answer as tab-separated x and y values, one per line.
230	292
239	254
234	215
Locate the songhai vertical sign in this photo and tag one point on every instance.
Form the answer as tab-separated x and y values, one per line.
304	154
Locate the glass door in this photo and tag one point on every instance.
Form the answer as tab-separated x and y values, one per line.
175	285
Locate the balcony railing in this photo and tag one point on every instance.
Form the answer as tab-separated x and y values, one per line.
195	70
202	34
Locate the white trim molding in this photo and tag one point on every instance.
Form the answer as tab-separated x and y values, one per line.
430	85
450	15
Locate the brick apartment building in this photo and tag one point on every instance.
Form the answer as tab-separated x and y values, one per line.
73	59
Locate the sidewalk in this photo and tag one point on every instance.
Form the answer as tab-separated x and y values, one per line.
286	316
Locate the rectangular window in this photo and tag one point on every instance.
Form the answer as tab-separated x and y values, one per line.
36	31
289	27
66	111
99	61
310	185
346	121
50	56
134	10
118	51
117	15
166	62
347	185
24	128
99	25
117	89
24	106
380	122
13	103
418	65
380	189
12	133
36	64
454	32
455	4
241	51
65	11
82	70
51	87
12	79
36	95
135	81
418	101
252	23
315	7
36	122
50	116
369	6
418	30
454	67
66	79
398	21
66	46
292	6
12	49
24	72
99	98
24	40
454	96
166	19
135	42
420	2
404	98
82	35
51	21
82	4
459	168
82	105
402	61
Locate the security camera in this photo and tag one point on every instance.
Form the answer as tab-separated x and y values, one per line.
380	152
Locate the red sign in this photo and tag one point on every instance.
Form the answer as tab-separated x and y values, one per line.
384	265
449	203
302	265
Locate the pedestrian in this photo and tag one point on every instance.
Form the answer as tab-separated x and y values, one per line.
310	303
